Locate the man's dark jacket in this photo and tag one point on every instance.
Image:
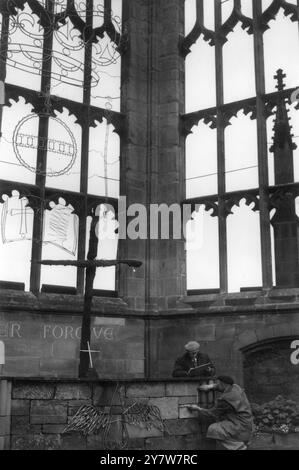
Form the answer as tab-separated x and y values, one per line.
184	363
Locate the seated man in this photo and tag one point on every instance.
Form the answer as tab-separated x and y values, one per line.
232	416
193	363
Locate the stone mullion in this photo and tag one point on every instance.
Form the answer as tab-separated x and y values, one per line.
151	189
220	152
85	150
262	148
199	11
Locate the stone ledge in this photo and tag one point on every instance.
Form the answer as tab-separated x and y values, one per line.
49	303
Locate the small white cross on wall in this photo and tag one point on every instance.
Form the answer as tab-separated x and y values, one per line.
89	351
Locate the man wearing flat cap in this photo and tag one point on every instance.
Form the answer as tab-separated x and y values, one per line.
232	420
193	363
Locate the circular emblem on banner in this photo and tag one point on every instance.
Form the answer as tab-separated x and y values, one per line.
61	151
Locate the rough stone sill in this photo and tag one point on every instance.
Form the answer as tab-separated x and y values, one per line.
53	302
267	298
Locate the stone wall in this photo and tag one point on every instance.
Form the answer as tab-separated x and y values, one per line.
225	338
152	155
5	414
47	344
41	410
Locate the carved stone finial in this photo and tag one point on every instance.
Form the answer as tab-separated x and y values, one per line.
279	77
282	127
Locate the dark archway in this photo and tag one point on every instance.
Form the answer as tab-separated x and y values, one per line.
268	370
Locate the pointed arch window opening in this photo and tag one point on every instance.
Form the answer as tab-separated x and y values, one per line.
260	106
49	111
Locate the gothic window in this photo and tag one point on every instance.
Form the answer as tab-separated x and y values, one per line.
201	239
241	128
60	124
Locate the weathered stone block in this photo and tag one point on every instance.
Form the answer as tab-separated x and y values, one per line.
284	330
198	442
4	442
168	406
74	406
59	367
165	443
288	441
181	389
20	407
4	425
73	441
21	366
146	390
26	428
53	428
247	338
95	442
5	397
33	391
140	431
114	410
135	366
181	427
28	442
186	399
19	420
102	396
73	392
52	442
97	392
264	333
45	412
137	444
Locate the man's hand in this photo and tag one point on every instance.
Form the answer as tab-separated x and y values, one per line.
193	407
206	387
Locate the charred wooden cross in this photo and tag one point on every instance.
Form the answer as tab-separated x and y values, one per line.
90	265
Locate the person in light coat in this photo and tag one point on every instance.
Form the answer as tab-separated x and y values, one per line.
232	417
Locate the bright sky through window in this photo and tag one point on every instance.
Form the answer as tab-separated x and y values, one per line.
59	152
224	65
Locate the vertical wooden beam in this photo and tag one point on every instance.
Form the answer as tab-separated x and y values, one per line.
86	318
123	185
262	148
85	148
41	162
220	152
